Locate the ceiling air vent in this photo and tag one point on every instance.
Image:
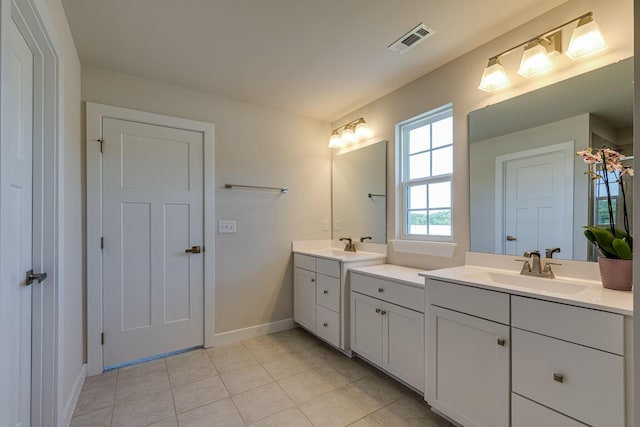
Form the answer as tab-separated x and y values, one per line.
412	38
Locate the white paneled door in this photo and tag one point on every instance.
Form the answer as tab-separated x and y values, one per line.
152	179
538	202
16	232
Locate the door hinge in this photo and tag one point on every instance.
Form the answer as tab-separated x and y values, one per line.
102	243
101	141
102	338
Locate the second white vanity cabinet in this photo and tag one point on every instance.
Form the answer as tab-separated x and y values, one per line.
468	354
387	322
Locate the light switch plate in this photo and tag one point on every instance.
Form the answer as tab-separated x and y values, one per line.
325	225
226	226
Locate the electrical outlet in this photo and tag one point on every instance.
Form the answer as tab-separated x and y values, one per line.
325	225
336	225
226	226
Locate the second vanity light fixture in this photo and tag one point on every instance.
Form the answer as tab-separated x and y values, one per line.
353	131
537	57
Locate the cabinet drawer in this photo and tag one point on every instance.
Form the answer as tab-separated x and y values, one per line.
477	302
304	261
525	413
328	267
328	325
581	382
328	292
403	295
593	328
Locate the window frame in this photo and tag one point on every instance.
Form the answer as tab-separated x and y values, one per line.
405	183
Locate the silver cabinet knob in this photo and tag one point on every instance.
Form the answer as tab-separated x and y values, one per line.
381	290
325	292
558	377
377	310
501	341
325	324
383	312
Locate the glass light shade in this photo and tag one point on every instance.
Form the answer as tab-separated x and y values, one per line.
586	40
535	60
335	140
362	130
348	136
494	77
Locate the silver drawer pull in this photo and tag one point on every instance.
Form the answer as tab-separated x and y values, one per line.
501	341
558	377
325	292
325	324
313	280
381	290
377	310
383	312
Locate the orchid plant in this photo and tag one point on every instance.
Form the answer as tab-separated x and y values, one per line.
607	166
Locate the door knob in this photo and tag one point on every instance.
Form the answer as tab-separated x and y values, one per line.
193	250
32	277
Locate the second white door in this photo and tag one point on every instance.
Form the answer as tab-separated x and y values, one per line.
152	215
538	203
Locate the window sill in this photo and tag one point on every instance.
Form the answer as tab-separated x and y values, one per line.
439	249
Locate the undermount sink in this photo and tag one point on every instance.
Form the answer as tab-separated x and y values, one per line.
337	253
534	283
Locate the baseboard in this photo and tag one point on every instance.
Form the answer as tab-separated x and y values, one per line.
253	331
70	406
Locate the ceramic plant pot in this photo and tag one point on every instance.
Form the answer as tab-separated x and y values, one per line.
616	273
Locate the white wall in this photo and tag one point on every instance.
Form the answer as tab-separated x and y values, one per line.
458	81
253	146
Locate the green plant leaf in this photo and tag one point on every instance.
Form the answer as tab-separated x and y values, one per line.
603	239
622	248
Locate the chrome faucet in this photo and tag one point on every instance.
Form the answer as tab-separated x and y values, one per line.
535	268
550	251
349	247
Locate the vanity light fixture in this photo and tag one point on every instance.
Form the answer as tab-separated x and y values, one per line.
353	131
540	50
586	39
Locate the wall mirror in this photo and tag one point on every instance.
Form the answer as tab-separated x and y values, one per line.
527	189
359	187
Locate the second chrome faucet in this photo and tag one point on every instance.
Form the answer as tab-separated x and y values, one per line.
535	267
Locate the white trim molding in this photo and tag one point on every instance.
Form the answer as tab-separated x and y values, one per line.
422	247
95	115
254	331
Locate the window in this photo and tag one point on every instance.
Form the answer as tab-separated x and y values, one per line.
426	153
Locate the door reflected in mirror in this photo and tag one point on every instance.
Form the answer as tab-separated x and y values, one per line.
359	187
528	190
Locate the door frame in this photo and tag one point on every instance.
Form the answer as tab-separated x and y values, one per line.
567	148
46	136
94	116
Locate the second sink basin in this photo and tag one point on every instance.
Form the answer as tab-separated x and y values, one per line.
541	284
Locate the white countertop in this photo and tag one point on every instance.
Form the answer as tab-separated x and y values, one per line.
397	273
591	294
335	250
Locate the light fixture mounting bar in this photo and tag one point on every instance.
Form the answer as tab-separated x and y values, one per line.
351	123
541	35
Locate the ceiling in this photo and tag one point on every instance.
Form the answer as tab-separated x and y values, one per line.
317	58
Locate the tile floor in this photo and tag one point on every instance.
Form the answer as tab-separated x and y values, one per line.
285	379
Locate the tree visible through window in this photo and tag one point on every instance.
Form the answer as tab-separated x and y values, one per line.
426	145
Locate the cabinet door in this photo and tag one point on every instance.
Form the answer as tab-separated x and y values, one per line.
468	368
366	327
304	298
403	344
